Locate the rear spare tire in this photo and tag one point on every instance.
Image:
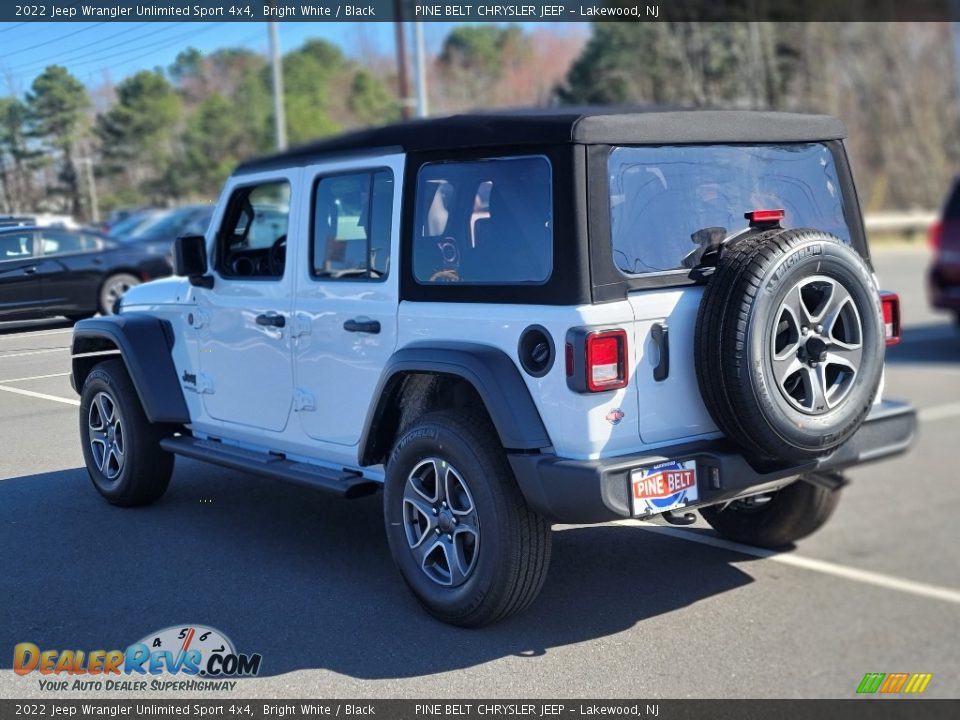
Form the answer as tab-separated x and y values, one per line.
790	343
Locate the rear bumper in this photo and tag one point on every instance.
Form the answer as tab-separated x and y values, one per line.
588	491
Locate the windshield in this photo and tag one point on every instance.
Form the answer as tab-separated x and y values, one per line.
670	204
174	223
135	223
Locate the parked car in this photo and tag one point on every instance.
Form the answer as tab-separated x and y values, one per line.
135	222
45	272
944	276
118	216
7	221
159	228
509	320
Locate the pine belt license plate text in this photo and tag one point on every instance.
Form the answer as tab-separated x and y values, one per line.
663	487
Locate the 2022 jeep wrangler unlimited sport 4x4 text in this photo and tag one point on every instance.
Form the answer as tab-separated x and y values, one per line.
508	320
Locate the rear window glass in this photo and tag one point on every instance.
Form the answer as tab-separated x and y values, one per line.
670	204
484	222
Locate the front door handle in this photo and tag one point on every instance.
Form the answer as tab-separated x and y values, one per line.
30	271
363	325
271	320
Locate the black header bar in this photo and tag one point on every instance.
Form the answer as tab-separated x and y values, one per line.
482	11
854	709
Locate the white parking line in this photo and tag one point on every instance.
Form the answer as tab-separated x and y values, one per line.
34	377
939	412
935	592
4	356
40	333
42	396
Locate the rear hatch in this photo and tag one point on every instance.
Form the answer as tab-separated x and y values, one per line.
668	206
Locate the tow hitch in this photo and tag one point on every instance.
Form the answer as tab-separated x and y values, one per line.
685	519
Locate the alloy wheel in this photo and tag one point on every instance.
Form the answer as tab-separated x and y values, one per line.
441	522
817	345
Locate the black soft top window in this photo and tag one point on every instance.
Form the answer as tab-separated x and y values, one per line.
668	204
484	222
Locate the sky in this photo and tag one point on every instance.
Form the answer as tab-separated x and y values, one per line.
95	52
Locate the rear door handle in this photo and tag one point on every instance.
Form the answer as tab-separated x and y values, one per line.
363	325
661	338
30	271
271	320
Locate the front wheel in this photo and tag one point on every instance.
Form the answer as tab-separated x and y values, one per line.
121	447
458	527
775	519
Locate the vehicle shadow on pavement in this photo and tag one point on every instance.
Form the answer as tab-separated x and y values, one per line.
932	343
302	579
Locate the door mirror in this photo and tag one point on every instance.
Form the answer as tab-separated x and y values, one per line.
190	259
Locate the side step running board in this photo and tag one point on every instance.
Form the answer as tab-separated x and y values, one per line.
339	482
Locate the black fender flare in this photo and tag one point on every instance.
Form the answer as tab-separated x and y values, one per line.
489	370
144	343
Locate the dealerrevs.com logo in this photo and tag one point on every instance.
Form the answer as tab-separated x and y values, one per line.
189	651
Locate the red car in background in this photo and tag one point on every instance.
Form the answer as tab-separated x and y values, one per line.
945	240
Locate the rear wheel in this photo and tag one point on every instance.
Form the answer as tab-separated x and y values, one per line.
113	289
459	529
121	447
775	519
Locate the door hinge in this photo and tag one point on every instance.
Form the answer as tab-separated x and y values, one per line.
203	385
197	319
300	325
304	401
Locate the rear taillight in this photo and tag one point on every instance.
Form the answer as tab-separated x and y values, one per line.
935	235
764	216
606	365
891	316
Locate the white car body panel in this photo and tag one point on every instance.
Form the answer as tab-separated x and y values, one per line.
337	370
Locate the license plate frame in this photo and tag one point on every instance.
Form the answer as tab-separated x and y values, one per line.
663	487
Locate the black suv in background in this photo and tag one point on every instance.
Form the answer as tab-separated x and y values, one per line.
945	240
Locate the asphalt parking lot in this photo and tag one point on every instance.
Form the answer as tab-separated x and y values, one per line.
628	610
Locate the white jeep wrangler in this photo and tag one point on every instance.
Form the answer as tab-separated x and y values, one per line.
508	320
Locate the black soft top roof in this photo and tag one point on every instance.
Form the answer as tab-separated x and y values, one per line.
557	126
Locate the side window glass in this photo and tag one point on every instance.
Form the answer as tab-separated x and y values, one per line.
57	242
92	242
252	242
352	219
484	222
16	246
